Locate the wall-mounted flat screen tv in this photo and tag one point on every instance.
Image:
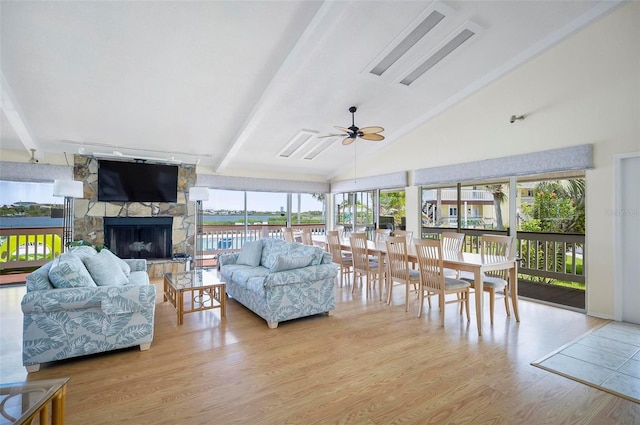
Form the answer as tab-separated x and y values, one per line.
137	182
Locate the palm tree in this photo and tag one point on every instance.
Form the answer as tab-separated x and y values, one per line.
498	198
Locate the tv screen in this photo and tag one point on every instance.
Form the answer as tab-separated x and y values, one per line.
137	182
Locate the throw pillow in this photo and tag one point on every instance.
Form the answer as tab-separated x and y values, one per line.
83	251
105	270
123	264
283	263
251	254
68	271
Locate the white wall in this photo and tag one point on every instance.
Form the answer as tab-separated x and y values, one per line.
585	90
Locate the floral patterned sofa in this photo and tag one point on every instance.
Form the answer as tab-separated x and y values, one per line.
85	302
280	280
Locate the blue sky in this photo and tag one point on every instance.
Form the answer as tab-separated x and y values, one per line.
12	192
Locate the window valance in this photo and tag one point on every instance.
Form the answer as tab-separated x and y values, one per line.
555	160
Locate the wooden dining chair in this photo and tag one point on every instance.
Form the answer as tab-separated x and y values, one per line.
452	242
287	233
398	267
362	264
407	234
382	234
495	247
306	236
345	263
433	280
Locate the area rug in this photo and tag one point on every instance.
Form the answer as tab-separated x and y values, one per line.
607	358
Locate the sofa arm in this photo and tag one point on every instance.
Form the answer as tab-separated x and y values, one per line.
111	299
227	258
137	264
304	274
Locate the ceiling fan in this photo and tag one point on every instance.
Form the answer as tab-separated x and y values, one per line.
350	134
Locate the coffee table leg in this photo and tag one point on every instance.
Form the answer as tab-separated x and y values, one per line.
223	301
180	305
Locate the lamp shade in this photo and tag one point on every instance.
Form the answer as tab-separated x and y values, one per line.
198	193
68	188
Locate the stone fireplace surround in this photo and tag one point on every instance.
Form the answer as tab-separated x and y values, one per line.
89	213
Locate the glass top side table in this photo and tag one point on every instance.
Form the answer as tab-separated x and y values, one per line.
20	402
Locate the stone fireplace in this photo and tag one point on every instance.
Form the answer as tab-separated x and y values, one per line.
177	237
139	237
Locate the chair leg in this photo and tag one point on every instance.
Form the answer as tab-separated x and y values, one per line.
506	300
441	304
466	304
420	301
406	297
492	302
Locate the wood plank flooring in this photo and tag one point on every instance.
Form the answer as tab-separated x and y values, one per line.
367	363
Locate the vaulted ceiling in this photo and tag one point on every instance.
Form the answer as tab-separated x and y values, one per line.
247	87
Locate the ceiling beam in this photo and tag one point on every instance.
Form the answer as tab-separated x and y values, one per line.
319	25
14	115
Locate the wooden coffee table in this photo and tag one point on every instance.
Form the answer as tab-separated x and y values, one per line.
205	289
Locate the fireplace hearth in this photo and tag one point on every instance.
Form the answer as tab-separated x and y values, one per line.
139	237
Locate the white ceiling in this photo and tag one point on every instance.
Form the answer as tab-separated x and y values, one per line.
233	82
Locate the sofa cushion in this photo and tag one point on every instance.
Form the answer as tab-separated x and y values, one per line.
251	254
271	248
283	263
124	266
138	278
68	271
105	270
240	274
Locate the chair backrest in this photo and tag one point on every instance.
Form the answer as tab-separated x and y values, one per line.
452	241
429	253
340	229
498	247
287	232
382	234
333	241
407	234
397	257
306	236
359	251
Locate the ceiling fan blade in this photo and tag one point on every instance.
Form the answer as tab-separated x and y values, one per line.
369	130
344	130
347	141
372	137
332	135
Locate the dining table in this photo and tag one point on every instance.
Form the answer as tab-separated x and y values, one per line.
463	261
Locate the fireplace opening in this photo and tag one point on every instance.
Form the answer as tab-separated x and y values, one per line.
139	237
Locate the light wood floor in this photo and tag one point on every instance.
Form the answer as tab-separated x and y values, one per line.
368	363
